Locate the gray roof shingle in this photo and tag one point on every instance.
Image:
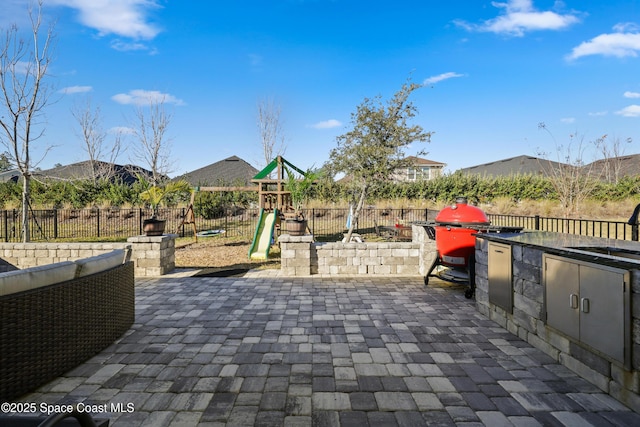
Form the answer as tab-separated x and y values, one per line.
520	165
230	171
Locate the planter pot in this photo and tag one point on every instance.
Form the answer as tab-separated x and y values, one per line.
295	227
154	226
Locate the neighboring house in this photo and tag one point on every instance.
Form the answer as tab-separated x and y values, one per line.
232	171
520	165
419	170
128	174
607	169
615	168
10	175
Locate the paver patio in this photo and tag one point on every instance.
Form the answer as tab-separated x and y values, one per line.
271	351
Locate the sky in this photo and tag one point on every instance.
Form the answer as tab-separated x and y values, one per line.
491	73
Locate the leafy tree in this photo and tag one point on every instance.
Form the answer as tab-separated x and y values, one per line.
374	149
5	163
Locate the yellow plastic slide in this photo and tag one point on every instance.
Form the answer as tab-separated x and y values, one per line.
264	234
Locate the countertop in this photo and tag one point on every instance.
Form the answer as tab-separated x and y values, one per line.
575	246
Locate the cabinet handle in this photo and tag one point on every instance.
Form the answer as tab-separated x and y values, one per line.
585	305
498	251
573	301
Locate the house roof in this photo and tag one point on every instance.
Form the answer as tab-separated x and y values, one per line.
625	166
128	174
419	161
10	175
230	171
520	165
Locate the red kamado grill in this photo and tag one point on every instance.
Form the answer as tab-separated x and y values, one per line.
454	231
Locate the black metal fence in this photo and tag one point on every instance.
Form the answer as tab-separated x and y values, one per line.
585	227
327	224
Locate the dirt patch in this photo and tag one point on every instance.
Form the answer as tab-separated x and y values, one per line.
216	253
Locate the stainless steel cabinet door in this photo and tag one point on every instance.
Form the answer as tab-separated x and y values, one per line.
590	303
562	287
500	277
602	309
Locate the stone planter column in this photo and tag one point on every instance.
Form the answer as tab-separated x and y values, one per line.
153	255
295	255
428	250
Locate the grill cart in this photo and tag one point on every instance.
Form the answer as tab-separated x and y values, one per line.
454	231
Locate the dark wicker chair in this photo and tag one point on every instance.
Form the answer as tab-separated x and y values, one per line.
47	331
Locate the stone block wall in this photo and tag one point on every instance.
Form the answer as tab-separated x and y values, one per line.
25	255
397	258
528	322
301	256
152	256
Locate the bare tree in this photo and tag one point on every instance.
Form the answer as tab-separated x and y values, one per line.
101	156
270	128
571	177
154	148
23	73
612	151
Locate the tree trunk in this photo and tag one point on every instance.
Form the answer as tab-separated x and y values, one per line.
356	214
26	185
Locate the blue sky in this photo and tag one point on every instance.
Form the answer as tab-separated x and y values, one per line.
492	71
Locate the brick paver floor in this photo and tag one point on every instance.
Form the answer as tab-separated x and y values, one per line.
324	352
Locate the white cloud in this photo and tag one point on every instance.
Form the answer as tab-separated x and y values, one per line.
630	111
122	130
626	27
76	89
598	114
124	46
327	124
619	44
440	77
568	120
142	97
628	94
125	18
520	17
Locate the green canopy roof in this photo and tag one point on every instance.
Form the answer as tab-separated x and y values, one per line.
264	173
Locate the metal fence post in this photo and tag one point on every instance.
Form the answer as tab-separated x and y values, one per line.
6	226
55	223
634	232
98	220
184	214
536	222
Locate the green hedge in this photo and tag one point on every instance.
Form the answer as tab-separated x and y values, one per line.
81	194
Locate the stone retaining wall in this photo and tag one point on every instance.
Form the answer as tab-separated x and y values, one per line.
301	256
152	256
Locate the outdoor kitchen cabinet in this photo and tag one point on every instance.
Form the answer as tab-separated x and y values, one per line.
590	303
500	276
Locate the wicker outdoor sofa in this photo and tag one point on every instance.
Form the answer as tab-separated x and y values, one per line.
55	317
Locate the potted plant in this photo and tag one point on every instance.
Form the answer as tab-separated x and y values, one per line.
299	189
157	195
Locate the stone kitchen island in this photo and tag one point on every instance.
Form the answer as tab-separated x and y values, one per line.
577	298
